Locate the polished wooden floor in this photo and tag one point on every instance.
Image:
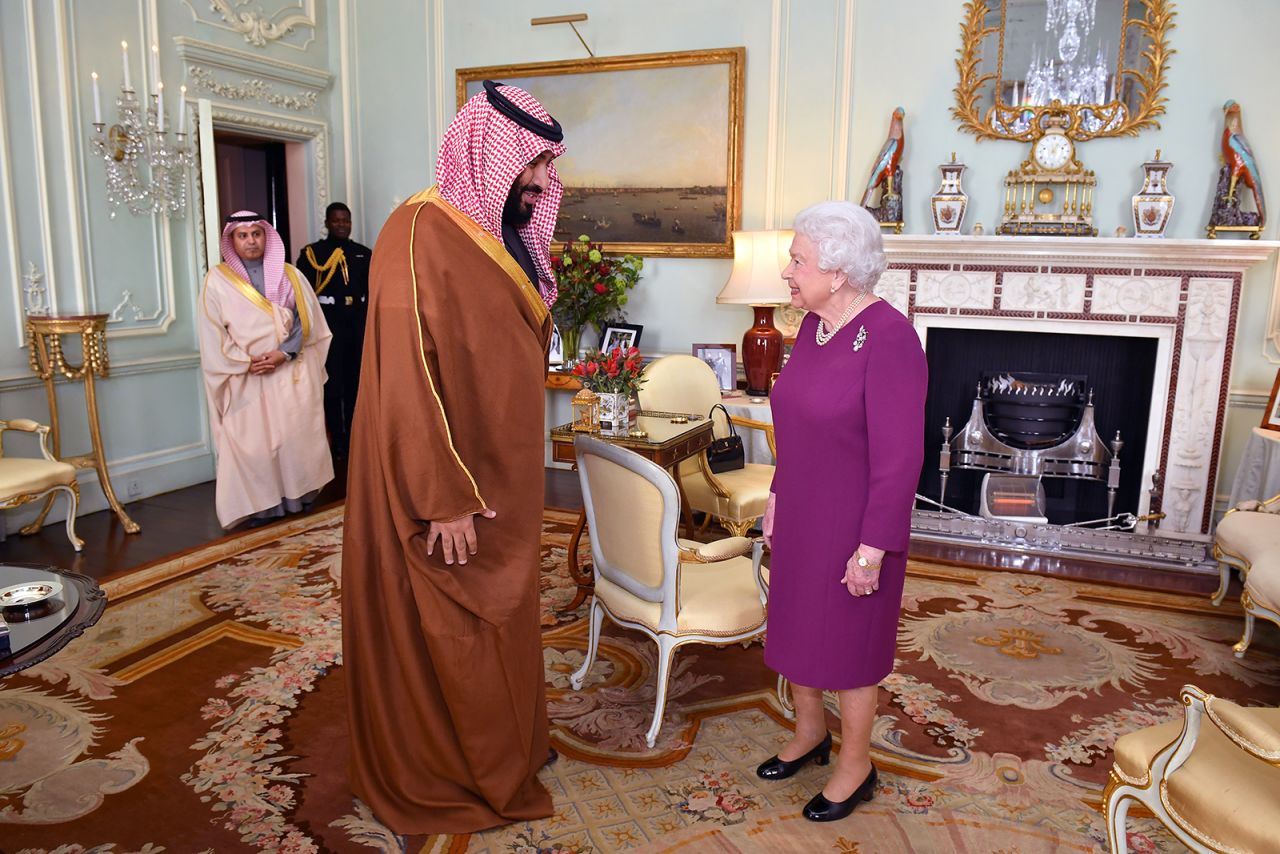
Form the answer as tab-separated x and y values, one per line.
182	520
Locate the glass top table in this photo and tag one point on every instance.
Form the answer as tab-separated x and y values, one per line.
31	631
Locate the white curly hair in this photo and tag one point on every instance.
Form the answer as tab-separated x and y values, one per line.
848	241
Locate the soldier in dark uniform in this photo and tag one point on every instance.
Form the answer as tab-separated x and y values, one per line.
338	269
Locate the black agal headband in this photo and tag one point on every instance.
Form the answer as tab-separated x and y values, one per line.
504	105
251	217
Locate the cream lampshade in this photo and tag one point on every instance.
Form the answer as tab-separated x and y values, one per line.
758	260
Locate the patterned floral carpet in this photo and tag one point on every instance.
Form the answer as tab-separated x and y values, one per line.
205	712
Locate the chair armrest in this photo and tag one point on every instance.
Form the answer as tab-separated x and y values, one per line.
752	424
1271	505
717	551
26	425
1244	727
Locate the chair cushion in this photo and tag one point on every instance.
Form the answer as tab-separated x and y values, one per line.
748	489
1249	535
28	476
715	599
1227	795
1134	751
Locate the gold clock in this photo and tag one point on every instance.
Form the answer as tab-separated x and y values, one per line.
1051	193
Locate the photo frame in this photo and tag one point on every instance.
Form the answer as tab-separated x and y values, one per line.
723	359
669	188
1271	415
625	335
555	353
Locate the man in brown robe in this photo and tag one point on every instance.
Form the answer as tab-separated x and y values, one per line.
441	638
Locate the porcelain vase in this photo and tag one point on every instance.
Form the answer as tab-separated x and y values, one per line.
951	201
615	413
1153	204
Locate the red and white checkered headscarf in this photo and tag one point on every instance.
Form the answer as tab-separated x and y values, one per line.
482	154
278	288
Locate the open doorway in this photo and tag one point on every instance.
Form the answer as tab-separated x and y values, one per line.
253	176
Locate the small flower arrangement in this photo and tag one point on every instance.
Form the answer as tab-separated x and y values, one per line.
615	372
593	287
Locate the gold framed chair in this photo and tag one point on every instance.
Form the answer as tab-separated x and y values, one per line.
674	591
736	499
24	480
1213	779
1248	541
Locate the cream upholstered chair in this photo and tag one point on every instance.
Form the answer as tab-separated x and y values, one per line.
1213	778
736	499
27	479
1248	540
675	591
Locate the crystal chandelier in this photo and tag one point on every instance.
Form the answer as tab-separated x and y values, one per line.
145	170
1062	71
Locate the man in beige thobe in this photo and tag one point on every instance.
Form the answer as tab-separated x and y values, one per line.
263	343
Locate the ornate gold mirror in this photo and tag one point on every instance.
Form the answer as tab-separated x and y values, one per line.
1104	61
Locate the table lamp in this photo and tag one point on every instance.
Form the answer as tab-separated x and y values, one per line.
758	260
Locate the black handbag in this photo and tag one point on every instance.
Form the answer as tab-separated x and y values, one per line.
725	454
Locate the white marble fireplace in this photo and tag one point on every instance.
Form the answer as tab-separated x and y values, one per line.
1185	294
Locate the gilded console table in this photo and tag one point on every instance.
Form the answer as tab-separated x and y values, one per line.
47	359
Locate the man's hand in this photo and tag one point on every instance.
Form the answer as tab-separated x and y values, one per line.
766	524
457	537
267	362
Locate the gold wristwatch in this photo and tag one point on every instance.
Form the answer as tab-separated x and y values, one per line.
862	561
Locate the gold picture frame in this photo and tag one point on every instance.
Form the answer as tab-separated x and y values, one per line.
685	86
1155	24
1271	416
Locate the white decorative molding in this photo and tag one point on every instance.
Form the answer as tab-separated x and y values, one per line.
35	297
1180	292
126	302
843	108
10	225
258	27
953	290
41	172
71	159
1062	253
124	368
777	111
1244	398
248	89
287	128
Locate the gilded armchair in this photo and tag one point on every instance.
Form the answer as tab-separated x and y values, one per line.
674	591
1248	540
1213	778
736	499
24	480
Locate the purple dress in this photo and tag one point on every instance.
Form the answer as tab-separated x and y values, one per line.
850	436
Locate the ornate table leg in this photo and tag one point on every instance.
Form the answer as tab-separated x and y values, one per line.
580	575
100	456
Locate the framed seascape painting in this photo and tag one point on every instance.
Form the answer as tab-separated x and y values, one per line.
654	146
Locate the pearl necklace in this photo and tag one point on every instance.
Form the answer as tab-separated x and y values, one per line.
824	337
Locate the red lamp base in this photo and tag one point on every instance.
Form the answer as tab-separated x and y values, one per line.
761	351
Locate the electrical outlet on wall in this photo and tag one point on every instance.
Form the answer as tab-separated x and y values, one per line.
133	488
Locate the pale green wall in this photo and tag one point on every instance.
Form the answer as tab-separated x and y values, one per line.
811	131
53	214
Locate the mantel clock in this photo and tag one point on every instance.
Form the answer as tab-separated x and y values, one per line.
1051	193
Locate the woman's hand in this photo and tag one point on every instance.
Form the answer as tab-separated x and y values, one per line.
766	524
860	580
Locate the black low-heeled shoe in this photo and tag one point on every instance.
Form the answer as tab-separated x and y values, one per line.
821	809
780	769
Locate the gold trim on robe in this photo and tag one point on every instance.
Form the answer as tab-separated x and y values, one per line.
492	246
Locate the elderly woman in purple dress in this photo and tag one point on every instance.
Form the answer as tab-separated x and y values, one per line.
848	415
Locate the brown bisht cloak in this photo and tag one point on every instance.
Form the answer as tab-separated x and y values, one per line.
443	663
